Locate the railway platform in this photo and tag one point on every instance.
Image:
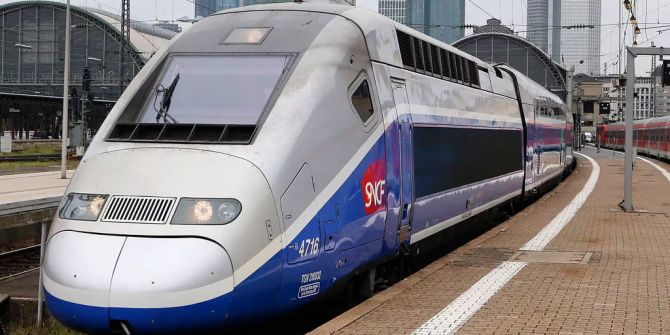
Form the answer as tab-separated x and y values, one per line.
31	191
571	263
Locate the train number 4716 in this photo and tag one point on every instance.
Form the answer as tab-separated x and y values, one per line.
309	247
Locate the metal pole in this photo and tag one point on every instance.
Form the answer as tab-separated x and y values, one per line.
619	62
628	167
568	99
568	85
652	103
40	290
66	95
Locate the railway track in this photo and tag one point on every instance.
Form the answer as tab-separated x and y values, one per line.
20	261
19	158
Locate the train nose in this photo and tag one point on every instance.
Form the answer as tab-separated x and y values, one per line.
96	283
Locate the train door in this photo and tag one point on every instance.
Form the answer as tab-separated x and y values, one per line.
562	149
658	142
537	145
406	162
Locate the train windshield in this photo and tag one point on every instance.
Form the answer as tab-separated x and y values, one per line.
214	90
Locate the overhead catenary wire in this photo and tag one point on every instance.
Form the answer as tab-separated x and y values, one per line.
577	26
646	17
472	2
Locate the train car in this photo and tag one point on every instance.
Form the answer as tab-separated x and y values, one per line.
549	131
272	153
650	136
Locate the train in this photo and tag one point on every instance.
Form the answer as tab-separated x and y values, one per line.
650	136
272	153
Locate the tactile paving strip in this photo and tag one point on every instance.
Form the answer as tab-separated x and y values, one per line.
561	257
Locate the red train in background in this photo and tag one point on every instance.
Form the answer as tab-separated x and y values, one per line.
650	136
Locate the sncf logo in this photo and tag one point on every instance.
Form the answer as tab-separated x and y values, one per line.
373	186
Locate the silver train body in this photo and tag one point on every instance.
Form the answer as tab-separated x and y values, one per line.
272	152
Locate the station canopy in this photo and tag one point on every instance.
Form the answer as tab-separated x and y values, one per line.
519	53
32	47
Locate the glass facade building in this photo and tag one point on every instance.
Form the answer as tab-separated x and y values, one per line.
544	21
440	19
579	45
394	9
32	60
207	7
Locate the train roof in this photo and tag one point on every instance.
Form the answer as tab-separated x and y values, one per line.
383	47
656	121
378	29
530	90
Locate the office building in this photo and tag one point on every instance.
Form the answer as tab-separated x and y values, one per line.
643	102
544	20
207	7
394	9
440	19
581	47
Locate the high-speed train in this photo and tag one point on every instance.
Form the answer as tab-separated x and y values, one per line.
650	136
271	153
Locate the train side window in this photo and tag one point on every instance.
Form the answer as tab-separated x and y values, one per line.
362	101
558	113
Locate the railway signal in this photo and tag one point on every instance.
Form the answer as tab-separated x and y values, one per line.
666	73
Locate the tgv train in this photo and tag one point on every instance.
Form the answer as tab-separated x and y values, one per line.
650	136
272	153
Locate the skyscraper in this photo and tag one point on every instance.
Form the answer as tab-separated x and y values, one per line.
208	7
581	47
544	20
393	9
440	19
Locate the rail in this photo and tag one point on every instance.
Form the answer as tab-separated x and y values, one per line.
23	158
17	262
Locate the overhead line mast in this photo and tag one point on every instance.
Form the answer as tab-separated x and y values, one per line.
125	40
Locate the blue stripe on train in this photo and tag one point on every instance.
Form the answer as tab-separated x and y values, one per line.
183	319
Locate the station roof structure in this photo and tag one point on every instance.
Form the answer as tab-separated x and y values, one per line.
145	38
519	53
32	51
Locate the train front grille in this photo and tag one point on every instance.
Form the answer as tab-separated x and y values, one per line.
133	209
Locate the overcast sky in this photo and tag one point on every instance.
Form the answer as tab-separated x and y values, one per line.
650	15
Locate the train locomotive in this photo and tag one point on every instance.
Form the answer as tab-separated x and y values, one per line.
273	152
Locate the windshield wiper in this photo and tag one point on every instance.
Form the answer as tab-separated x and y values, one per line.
162	112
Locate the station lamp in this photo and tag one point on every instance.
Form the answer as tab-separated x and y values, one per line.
626	3
637	30
633	20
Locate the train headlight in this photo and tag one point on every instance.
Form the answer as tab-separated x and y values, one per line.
80	206
206	211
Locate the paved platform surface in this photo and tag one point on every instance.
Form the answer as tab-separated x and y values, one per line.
20	192
603	272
